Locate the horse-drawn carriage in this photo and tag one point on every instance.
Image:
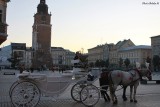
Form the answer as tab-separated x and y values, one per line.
28	89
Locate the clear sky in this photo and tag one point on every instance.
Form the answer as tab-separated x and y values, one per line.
85	24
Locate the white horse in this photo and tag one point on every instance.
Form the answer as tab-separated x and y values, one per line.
130	78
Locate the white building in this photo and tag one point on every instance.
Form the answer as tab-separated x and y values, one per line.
28	57
61	56
135	53
100	52
5	53
155	43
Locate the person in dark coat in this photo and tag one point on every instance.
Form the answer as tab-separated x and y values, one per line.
21	68
76	58
104	84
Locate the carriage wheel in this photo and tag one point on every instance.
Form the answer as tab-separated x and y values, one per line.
12	86
25	94
90	95
75	91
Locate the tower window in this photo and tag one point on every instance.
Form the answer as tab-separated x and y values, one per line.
0	15
43	18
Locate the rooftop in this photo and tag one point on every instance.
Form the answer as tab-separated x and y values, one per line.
136	47
155	36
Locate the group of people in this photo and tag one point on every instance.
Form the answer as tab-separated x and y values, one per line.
22	68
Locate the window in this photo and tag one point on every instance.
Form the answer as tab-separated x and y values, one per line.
0	15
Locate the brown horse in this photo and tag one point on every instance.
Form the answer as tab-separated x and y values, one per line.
130	78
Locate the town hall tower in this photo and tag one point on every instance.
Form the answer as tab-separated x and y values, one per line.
41	37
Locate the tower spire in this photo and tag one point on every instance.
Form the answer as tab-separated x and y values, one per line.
42	7
42	1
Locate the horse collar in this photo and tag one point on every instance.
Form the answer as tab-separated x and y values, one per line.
133	74
138	72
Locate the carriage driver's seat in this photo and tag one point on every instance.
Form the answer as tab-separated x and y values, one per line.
93	74
90	77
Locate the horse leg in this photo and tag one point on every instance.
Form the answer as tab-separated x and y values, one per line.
135	89
134	97
105	94
115	101
111	92
131	93
106	97
124	93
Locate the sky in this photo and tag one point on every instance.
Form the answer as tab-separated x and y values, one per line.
84	24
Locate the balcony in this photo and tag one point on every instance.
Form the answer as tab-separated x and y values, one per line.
3	32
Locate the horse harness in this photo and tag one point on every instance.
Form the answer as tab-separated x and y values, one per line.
133	75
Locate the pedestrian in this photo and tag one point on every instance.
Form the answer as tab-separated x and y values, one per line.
104	84
77	57
21	68
31	68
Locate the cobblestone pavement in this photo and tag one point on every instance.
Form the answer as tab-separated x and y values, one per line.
147	96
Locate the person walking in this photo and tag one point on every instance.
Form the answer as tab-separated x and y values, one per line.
21	68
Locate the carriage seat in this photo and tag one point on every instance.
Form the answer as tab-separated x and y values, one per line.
90	77
33	76
93	74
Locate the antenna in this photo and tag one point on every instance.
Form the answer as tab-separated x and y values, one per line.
82	50
101	40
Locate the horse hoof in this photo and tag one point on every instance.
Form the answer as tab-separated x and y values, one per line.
115	102
131	100
109	99
124	99
135	101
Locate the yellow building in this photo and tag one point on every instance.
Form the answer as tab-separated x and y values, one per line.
123	49
113	53
100	52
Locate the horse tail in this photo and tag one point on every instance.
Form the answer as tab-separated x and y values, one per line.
110	78
110	81
111	85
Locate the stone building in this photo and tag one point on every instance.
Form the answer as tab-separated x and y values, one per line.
28	57
100	52
155	44
123	49
41	37
5	53
3	24
61	56
135	53
18	53
113	53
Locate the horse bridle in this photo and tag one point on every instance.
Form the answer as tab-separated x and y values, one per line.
148	73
